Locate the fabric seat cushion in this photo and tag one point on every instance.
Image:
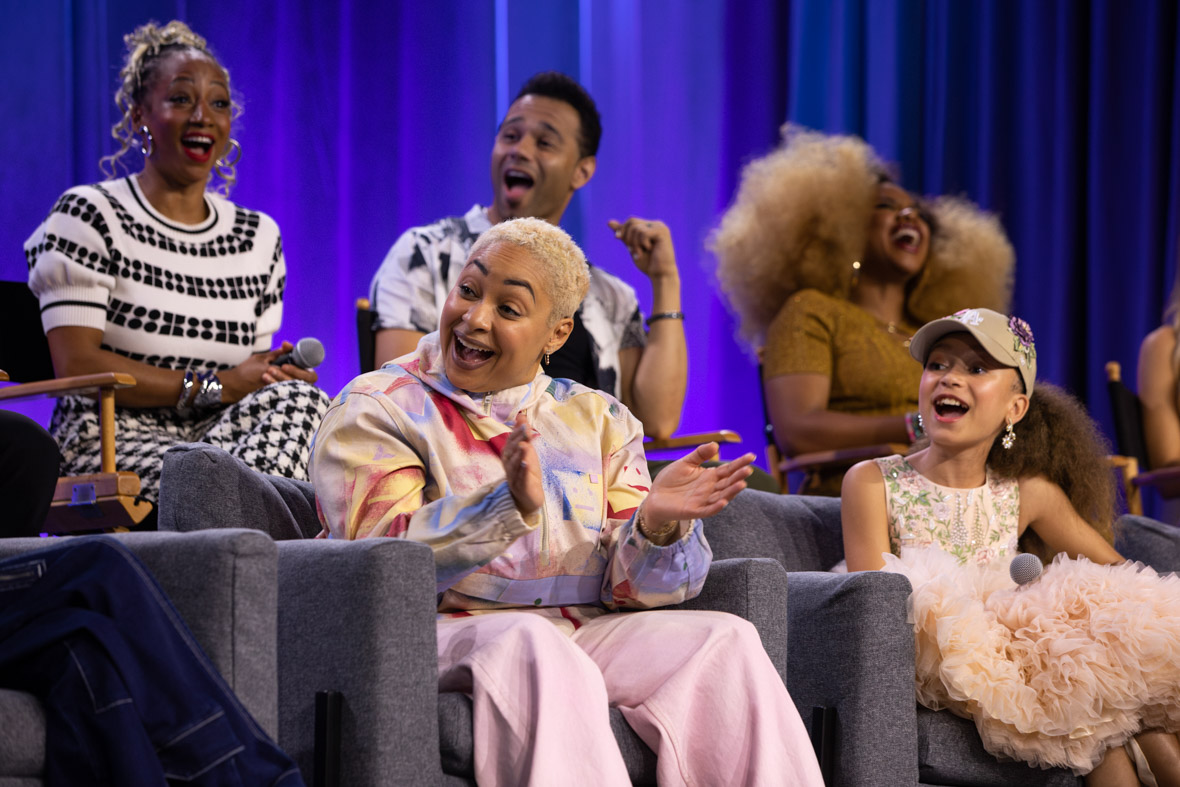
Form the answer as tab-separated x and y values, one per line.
22	736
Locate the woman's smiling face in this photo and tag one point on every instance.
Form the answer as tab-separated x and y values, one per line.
496	322
899	235
187	109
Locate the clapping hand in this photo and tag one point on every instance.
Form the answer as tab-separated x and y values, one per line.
650	245
522	468
687	490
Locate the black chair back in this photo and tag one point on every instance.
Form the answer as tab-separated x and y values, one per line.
366	317
1128	422
24	351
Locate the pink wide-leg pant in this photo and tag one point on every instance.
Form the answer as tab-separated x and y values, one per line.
697	687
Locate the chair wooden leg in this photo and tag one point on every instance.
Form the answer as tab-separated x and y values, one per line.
106	426
1134	499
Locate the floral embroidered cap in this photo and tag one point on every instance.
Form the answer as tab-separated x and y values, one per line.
1008	340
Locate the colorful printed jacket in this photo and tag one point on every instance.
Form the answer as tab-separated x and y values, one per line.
403	453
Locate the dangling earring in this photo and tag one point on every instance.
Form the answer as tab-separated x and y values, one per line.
1009	437
855	272
145	147
229	165
545	360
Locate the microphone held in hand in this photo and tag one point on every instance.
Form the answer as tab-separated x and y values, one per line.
308	353
1025	568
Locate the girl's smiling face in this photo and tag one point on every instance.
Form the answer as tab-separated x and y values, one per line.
966	396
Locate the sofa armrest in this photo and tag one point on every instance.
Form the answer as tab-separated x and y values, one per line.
1148	541
754	589
851	649
202	486
359	617
223	584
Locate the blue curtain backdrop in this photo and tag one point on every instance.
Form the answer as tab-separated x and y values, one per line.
365	117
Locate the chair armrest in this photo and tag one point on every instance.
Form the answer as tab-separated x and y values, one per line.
1166	481
67	386
691	440
203	486
1148	541
358	617
754	589
819	460
851	649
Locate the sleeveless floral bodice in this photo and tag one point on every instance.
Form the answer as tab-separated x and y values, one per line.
977	525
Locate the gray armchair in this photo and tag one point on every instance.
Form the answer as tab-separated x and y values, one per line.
358	618
851	649
223	584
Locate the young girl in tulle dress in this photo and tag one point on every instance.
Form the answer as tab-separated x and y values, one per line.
1078	669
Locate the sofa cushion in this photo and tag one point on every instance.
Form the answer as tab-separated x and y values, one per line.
799	531
203	487
22	735
951	753
1148	541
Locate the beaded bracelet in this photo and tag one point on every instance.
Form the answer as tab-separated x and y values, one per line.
666	530
664	316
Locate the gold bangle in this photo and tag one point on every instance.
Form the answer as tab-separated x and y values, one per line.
666	530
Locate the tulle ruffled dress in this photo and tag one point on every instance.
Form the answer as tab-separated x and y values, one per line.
1053	673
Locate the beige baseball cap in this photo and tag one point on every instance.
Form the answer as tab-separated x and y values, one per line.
1008	340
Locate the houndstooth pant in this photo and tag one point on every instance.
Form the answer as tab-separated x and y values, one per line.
270	430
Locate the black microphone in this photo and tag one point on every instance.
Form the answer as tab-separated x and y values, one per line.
308	353
1025	568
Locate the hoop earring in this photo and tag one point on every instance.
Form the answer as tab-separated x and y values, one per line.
855	272
222	164
1009	438
146	147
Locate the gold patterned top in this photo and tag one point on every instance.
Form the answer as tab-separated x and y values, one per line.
868	363
978	525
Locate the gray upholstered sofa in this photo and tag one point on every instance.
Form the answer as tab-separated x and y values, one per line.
369	631
224	586
850	648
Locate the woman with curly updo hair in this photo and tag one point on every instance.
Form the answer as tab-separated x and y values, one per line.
155	275
831	266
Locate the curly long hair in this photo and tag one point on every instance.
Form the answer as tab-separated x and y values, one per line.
1078	464
800	218
147	46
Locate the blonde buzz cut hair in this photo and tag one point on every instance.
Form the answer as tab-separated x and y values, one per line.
567	275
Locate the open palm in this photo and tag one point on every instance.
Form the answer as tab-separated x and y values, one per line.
686	489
